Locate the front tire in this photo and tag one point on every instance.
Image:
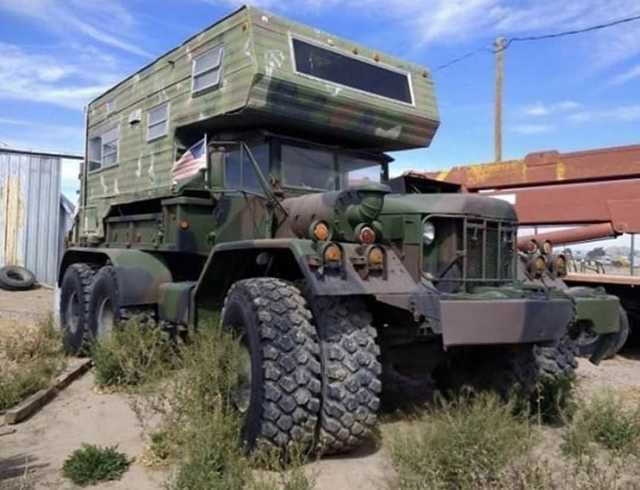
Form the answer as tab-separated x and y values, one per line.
351	373
275	326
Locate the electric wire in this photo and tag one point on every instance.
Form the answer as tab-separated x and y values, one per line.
508	41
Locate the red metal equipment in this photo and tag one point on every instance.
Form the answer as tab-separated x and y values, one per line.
600	188
597	190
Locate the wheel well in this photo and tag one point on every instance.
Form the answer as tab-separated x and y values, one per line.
74	256
229	266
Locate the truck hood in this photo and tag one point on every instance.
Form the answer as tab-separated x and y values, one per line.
466	204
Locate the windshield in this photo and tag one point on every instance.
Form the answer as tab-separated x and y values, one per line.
324	170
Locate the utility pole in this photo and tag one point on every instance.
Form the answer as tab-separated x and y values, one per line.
632	255
500	45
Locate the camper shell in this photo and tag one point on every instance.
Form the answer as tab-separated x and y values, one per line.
251	69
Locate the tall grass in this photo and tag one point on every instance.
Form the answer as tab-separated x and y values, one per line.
465	444
30	357
605	423
184	401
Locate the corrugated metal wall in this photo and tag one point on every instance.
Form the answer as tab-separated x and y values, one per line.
30	212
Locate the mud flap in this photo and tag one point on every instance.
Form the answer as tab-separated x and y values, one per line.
604	344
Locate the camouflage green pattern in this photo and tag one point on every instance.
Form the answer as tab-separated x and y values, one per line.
179	248
259	84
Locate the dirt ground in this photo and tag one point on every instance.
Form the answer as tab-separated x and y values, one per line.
82	415
25	306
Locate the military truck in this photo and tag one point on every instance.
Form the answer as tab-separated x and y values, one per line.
247	169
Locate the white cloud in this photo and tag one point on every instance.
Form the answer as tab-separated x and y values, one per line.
627	76
540	109
527	129
106	21
625	114
42	78
446	21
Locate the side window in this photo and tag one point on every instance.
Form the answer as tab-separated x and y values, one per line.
94	151
207	69
110	147
233	169
158	121
103	150
239	172
261	154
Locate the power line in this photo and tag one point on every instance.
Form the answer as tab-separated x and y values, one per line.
540	37
572	32
462	58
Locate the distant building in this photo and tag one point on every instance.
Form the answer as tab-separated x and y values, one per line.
34	215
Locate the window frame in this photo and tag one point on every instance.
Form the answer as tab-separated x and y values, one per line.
218	67
116	162
244	160
360	58
165	121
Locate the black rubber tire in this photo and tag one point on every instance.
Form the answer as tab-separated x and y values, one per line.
16	278
275	323
587	349
103	302
351	373
75	292
621	336
523	370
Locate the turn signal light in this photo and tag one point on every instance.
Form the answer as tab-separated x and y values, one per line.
321	231
376	257
332	254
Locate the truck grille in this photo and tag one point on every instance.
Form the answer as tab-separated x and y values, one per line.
471	252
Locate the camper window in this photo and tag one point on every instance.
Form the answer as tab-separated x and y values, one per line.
206	69
103	150
110	147
158	121
349	71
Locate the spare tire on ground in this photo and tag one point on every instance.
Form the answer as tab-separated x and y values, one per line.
16	278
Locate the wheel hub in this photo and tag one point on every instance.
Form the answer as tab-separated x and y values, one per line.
106	319
72	314
241	395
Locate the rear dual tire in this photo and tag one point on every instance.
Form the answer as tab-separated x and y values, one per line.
89	307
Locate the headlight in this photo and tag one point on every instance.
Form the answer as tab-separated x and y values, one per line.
428	233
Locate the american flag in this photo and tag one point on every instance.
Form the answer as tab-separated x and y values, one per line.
194	159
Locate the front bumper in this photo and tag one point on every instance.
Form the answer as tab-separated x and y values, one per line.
504	321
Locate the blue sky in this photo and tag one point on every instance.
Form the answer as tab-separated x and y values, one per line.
567	94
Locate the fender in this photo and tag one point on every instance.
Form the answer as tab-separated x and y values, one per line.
238	260
138	273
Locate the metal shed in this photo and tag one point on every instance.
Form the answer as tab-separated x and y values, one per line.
33	212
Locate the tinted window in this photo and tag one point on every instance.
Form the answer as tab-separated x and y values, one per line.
335	67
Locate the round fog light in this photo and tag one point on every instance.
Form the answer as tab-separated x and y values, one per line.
367	235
